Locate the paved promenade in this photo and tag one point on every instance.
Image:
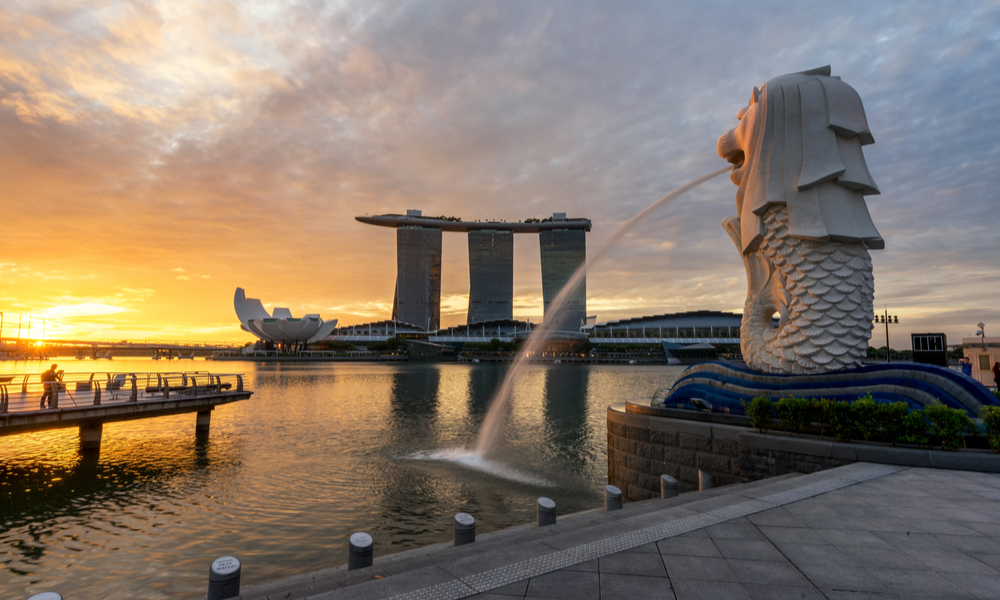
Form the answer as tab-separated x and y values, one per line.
859	531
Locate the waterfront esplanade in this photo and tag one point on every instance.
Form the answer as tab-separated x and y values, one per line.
417	297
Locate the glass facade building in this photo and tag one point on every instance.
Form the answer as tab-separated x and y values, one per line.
563	251
491	275
418	277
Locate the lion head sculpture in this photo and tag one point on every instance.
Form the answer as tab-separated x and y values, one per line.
799	144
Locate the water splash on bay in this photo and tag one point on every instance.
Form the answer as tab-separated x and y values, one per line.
477	462
540	336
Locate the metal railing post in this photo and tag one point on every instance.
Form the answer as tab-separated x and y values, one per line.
135	390
239	383
97	393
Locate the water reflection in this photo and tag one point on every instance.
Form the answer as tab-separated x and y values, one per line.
281	480
414	394
484	381
567	430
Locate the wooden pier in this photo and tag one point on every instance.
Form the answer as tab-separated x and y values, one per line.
88	400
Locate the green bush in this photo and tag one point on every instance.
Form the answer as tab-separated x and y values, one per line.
990	416
948	424
759	411
916	425
840	419
794	413
821	414
892	421
865	413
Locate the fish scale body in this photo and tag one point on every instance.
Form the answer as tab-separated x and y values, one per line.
829	290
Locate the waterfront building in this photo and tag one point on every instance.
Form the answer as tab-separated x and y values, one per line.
279	326
418	277
563	252
698	326
491	265
491	275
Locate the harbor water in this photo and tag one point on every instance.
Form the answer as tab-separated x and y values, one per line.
319	452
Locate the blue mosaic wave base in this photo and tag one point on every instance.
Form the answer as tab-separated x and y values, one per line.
726	385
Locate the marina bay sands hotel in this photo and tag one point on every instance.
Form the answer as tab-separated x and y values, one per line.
491	266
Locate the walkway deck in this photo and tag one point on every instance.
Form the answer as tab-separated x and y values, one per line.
88	400
859	531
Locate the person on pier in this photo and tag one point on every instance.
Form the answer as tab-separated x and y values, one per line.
50	379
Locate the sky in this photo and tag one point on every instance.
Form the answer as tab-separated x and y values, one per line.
154	156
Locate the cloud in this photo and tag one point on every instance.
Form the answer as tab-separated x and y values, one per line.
240	140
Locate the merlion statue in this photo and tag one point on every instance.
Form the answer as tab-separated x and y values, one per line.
802	226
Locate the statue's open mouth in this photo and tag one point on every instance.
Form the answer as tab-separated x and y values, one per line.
736	157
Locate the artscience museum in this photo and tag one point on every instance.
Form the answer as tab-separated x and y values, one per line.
280	327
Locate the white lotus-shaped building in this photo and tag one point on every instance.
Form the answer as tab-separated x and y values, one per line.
280	327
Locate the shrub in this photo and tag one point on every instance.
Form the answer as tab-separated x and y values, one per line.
821	414
759	412
948	424
915	425
794	414
892	419
990	416
865	412
841	423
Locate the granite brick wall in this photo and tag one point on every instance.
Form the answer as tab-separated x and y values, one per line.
641	447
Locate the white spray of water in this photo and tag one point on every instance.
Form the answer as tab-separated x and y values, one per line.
541	335
476	461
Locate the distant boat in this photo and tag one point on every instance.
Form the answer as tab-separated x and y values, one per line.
181	354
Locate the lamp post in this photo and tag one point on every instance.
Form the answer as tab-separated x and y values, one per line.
888	320
982	333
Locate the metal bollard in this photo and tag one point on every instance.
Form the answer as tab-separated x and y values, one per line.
361	552
706	480
612	498
224	578
46	596
668	487
465	529
545	510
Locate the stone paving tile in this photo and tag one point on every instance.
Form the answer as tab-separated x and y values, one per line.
843	577
631	587
646	548
992	560
848	537
688	546
909	582
802	555
761	591
481	563
518	588
792	535
849	595
971	543
981	586
495	596
951	562
633	563
882	557
737	529
749	550
565	584
776	517
990	529
695	567
767	571
941	526
690	589
589	565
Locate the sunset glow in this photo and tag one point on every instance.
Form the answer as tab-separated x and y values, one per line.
157	155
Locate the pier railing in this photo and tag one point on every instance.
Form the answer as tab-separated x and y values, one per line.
24	393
